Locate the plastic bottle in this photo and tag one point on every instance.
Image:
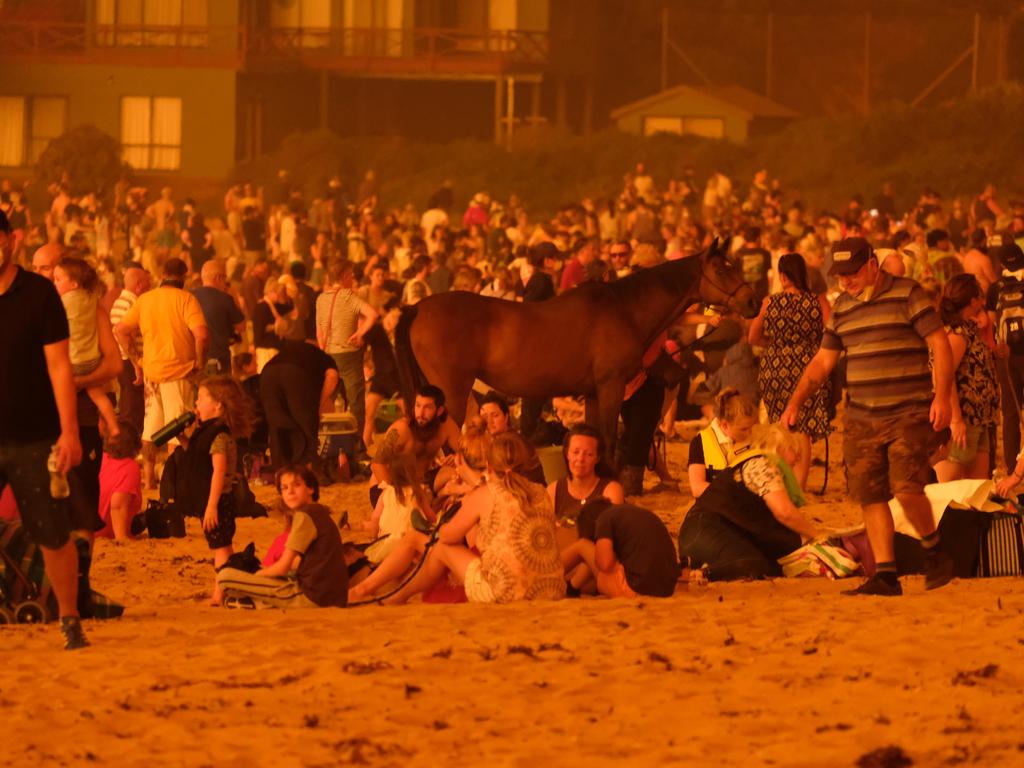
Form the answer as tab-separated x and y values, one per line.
58	480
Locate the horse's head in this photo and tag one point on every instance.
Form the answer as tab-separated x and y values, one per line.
722	284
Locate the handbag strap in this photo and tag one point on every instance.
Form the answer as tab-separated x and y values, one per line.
330	321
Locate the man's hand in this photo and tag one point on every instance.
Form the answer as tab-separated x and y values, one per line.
958	430
1004	488
69	451
941	413
355	340
138	374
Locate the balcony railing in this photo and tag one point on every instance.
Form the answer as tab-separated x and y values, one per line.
380	51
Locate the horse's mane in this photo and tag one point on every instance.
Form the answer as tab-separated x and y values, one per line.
677	276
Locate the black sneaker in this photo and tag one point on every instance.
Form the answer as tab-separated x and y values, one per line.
876	587
74	635
938	568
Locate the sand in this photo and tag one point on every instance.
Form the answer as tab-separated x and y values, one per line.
782	673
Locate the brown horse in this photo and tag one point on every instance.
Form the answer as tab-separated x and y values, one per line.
588	341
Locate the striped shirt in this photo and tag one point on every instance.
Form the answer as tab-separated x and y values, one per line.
887	358
120	307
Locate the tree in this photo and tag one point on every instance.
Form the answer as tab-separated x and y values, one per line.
85	159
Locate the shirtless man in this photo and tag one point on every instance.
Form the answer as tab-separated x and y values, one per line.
978	263
428	432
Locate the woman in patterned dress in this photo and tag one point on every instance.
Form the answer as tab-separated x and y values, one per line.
511	522
975	398
790	327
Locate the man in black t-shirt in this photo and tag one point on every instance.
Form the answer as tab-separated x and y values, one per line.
37	412
223	317
754	262
296	386
627	549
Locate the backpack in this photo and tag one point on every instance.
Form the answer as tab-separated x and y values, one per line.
1010	311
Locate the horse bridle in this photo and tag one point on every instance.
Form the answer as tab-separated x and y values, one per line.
728	296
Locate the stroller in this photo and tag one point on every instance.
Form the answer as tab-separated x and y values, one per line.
25	594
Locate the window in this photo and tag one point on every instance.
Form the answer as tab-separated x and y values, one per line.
151	22
27	125
708	127
151	132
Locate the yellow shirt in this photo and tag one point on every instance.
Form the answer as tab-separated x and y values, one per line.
165	317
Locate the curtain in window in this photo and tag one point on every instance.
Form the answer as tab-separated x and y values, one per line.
162	14
135	130
166	133
105	20
196	13
12	130
49	120
129	14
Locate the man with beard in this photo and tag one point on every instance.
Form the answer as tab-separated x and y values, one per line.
428	432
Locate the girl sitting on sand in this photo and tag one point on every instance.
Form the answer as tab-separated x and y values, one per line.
210	461
515	535
392	517
78	286
748	518
470	465
311	572
717	446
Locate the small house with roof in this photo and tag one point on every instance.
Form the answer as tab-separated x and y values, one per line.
712	111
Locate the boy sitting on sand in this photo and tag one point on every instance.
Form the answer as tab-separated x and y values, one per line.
627	550
311	571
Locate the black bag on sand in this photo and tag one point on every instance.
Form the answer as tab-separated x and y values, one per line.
164	521
245	560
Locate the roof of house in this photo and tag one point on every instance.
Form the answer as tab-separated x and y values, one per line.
735	96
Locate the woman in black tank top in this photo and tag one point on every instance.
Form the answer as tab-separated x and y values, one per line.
582	449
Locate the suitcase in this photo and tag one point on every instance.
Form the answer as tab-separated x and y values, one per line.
1001	550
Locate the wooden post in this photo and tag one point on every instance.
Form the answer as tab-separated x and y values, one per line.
664	45
535	104
974	54
867	61
561	96
510	111
768	53
588	104
497	110
325	97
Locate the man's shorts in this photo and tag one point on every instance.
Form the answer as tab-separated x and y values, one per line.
979	438
164	403
47	520
614	584
887	456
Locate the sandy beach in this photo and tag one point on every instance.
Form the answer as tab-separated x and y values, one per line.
782	673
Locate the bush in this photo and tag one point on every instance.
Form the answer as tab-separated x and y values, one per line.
84	158
955	147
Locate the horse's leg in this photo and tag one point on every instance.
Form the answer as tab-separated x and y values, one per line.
609	403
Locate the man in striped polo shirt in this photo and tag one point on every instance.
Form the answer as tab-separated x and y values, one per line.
894	416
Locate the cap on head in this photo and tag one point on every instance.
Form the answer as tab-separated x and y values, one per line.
849	255
1010	256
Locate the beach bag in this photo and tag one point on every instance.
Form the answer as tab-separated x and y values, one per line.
164	521
818	559
1001	548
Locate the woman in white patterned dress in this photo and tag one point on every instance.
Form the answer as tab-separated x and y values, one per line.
511	523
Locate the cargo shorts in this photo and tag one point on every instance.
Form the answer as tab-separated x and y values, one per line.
885	456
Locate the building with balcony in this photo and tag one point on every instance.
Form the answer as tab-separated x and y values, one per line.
189	87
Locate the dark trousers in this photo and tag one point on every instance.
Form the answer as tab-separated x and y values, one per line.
707	538
640	417
131	402
529	415
291	402
1011	395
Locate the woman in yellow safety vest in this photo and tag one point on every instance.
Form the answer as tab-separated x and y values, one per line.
724	441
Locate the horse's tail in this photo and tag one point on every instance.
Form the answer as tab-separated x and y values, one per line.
409	372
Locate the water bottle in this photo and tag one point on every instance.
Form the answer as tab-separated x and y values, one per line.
58	480
174	428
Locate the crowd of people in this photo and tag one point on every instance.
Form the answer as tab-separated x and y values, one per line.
124	317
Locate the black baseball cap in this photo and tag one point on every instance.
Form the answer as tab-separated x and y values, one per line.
849	255
1009	255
